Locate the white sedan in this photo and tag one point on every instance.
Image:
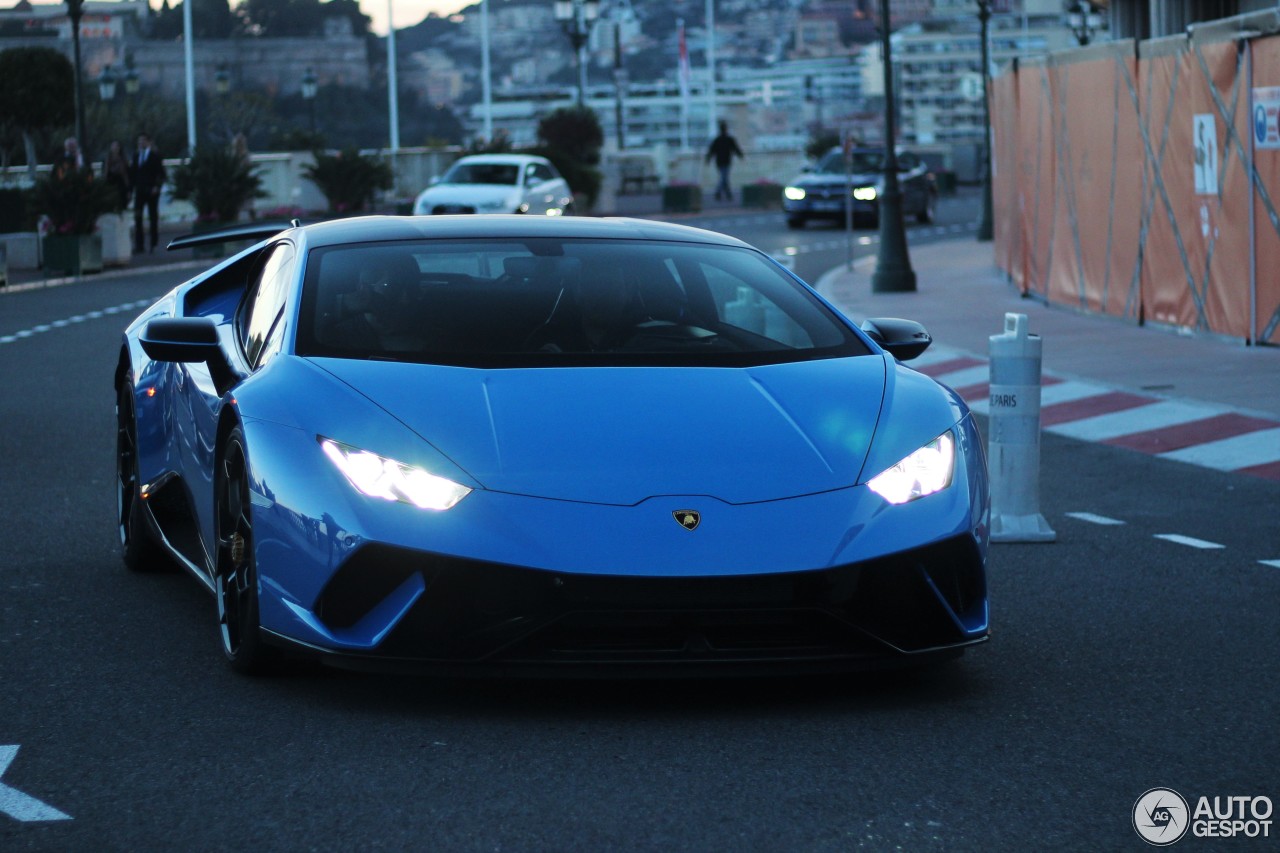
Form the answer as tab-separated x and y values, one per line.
498	183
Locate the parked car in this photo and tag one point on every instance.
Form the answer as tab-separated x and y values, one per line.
545	445
823	191
498	183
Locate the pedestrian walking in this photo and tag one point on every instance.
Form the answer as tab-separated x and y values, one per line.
116	168
148	176
724	148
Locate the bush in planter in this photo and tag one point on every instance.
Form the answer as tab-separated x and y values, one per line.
762	193
681	198
217	182
72	200
348	179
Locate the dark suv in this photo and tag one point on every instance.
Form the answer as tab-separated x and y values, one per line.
823	191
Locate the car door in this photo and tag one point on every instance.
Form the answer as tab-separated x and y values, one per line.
257	331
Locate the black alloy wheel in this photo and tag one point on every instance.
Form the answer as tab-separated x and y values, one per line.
235	571
138	547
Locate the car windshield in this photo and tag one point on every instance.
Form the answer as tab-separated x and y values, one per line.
552	302
863	161
482	173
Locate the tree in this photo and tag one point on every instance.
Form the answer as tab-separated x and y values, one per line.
38	93
210	19
571	139
282	18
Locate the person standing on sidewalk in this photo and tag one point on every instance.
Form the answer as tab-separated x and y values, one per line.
723	148
148	176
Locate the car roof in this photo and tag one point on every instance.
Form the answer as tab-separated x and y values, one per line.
369	229
518	159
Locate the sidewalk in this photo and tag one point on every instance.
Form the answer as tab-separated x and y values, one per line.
1200	399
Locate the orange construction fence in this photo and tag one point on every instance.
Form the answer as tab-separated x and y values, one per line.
1140	180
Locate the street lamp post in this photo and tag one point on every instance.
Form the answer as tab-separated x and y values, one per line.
107	84
1084	21
75	10
576	18
893	265
222	79
131	82
986	227
310	86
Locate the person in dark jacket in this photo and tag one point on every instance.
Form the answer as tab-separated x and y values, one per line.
147	174
723	148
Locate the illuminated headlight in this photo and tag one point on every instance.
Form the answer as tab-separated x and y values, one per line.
794	193
379	477
924	472
865	193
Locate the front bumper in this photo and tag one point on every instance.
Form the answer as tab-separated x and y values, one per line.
471	617
818	204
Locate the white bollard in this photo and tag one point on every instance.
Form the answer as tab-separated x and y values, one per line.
1013	455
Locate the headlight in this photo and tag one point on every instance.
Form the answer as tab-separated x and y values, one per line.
794	193
390	480
924	472
865	193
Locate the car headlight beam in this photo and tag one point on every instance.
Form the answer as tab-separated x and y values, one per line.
794	193
379	477
865	193
927	470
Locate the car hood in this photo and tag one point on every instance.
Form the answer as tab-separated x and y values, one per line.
620	435
836	179
468	193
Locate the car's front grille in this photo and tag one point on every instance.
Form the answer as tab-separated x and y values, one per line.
473	611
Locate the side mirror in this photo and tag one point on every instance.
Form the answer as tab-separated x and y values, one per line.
435	179
189	340
903	339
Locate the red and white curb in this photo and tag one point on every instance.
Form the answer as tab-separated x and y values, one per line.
1203	434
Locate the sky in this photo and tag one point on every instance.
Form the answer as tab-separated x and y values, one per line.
406	12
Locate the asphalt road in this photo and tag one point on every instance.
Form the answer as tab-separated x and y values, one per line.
1119	662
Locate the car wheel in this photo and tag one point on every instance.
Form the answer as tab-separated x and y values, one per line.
795	221
235	569
929	211
138	546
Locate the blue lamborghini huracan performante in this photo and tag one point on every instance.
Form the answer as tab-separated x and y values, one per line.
535	445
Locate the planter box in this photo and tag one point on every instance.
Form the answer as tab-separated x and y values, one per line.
762	195
117	245
682	198
73	254
23	249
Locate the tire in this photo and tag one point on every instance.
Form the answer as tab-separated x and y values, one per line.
235	567
139	549
928	213
795	222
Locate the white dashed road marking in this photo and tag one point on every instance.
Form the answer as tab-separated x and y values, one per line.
18	805
1094	519
1179	539
78	318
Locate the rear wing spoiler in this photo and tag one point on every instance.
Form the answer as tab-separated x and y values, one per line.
254	231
